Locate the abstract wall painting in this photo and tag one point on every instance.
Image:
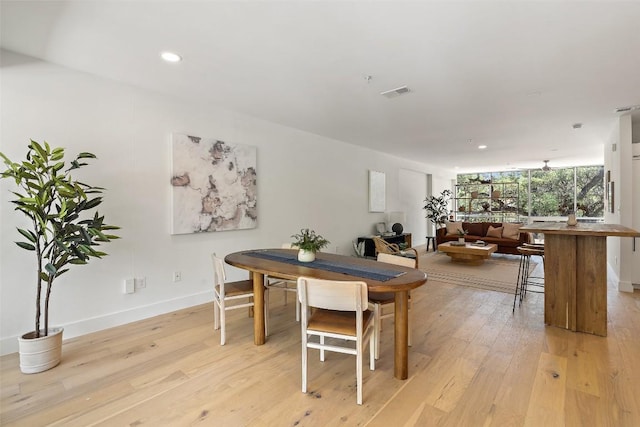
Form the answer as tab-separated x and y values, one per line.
213	185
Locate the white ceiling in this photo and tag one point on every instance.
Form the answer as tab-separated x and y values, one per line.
514	76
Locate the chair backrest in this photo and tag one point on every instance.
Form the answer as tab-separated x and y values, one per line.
333	294
289	246
384	247
398	260
219	275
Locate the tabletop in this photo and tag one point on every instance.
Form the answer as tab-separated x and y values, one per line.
581	229
410	278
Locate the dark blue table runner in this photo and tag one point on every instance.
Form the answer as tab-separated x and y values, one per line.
379	274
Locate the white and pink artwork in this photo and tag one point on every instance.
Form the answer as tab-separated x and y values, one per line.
213	185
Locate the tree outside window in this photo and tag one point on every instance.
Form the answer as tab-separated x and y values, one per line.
553	193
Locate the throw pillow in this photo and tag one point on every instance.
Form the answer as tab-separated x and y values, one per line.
453	227
494	232
511	230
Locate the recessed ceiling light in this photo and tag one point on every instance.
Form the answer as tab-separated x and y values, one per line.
482	147
171	57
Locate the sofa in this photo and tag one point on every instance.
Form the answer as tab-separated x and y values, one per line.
506	235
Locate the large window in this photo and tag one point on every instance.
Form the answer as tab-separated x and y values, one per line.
553	193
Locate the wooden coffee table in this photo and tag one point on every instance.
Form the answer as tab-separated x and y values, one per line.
468	253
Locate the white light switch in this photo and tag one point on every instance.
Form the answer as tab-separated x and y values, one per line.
129	286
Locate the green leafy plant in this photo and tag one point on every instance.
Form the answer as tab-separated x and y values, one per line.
437	208
61	232
309	240
462	232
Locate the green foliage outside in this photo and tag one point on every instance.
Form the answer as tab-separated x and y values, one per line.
553	192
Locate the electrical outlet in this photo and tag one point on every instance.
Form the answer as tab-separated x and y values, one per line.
177	276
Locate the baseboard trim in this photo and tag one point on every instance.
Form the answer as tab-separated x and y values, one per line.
612	277
82	327
625	286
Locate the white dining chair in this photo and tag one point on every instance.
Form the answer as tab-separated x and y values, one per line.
339	313
287	286
383	304
229	296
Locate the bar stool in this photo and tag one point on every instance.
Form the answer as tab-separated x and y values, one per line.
524	280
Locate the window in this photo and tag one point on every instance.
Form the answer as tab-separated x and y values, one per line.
553	193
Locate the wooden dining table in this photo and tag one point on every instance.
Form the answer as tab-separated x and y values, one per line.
406	279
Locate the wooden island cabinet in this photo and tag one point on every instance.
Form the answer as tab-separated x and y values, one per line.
575	273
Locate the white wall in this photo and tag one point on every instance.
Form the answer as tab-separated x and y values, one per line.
304	180
635	194
619	249
413	190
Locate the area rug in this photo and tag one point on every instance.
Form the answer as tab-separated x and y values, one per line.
499	273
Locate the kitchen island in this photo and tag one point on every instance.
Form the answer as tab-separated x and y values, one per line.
575	273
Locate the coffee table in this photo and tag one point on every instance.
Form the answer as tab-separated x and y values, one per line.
469	254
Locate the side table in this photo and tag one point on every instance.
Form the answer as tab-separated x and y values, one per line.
431	241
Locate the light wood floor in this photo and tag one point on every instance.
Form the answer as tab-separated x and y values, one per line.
472	363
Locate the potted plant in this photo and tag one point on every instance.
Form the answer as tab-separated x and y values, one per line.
437	208
461	234
308	243
62	233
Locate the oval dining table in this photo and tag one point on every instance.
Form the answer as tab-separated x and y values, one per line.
405	280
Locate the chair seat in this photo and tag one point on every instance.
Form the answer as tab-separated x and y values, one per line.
282	283
237	288
336	322
529	250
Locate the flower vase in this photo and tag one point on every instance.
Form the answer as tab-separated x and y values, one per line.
306	256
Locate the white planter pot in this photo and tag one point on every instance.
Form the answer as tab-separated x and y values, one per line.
306	256
40	354
460	239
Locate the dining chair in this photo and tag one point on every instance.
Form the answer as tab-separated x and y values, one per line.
383	304
288	286
339	313
239	294
384	247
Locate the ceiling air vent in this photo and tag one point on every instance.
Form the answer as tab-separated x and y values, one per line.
395	92
627	109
